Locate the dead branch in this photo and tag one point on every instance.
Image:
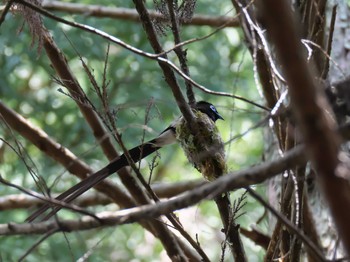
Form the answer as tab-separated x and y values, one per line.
158	56
312	111
231	181
60	154
131	14
162	190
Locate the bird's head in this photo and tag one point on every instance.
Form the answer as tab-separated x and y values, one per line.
209	110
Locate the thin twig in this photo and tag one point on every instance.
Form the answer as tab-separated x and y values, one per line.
48	200
130	14
37	243
5	11
161	60
289	224
235	180
306	42
329	42
175	27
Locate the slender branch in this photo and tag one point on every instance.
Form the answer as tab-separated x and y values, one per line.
162	190
235	180
290	225
60	154
47	199
329	43
312	111
175	27
5	10
167	70
310	227
71	162
24	201
157	57
37	243
129	14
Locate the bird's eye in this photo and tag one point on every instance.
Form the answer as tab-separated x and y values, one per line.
213	108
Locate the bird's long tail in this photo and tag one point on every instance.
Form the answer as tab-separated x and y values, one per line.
137	153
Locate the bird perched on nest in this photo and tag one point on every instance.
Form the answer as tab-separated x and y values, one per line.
207	157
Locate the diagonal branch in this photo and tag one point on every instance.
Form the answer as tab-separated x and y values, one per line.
129	14
167	70
74	165
313	113
60	154
231	181
163	190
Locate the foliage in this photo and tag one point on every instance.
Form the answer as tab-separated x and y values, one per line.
28	86
142	105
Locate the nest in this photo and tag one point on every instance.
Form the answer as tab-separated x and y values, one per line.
206	150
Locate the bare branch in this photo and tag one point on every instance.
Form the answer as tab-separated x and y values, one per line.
312	111
131	14
290	225
60	154
162	190
159	57
46	199
235	180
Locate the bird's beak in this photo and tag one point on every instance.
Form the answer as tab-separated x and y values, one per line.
220	117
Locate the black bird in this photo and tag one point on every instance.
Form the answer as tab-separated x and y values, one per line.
168	136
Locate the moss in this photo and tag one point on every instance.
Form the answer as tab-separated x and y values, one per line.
206	150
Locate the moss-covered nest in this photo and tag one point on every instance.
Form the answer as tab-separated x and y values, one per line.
206	150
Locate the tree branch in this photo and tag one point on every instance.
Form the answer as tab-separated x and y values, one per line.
312	112
162	190
235	180
60	154
129	14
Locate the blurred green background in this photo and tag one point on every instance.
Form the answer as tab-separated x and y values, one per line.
220	62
